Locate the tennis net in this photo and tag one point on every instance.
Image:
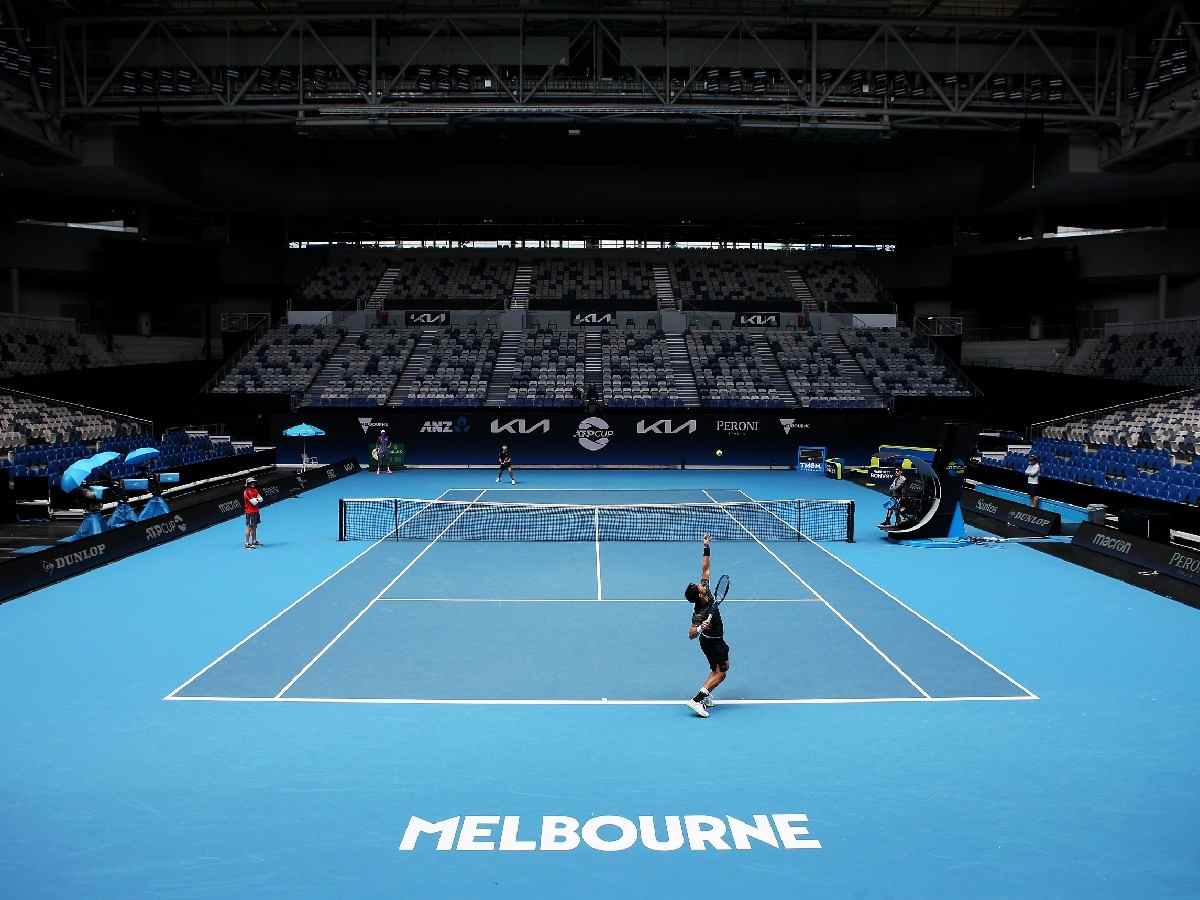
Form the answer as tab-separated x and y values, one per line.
400	519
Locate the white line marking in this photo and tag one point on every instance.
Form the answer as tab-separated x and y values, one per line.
396	701
279	614
818	594
374	600
599	583
932	625
586	600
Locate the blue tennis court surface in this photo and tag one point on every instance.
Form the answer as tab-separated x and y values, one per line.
974	722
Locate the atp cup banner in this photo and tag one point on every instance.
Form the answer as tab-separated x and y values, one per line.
63	560
1017	515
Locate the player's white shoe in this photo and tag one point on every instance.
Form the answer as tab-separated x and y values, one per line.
497	479
698	708
708	702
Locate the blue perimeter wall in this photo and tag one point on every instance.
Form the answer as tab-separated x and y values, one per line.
606	437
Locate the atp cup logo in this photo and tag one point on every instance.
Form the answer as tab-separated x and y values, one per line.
593	433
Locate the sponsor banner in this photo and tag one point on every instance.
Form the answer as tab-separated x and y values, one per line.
457	425
756	320
593	434
63	560
1017	515
666	426
605	435
417	318
1166	559
594	318
520	426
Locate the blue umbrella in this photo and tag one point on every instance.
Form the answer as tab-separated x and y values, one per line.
75	474
141	456
303	430
103	458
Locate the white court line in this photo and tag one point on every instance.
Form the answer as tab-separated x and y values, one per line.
374	600
279	614
801	701
599	583
587	600
932	625
817	593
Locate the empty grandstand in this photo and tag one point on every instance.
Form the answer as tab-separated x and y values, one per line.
283	361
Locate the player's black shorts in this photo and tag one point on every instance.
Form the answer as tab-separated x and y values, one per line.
716	651
252	519
506	465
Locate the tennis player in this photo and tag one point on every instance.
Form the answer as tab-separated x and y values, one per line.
383	446
251	500
505	461
707	626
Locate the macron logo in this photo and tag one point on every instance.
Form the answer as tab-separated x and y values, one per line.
611	834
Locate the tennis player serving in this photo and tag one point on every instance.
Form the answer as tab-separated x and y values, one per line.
707	626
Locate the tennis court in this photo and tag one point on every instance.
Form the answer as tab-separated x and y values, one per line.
451	601
987	721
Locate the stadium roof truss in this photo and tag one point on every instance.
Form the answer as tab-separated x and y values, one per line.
1166	117
428	68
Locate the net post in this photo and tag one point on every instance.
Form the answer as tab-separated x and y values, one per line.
850	521
396	519
341	518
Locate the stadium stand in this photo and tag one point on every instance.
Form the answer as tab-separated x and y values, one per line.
636	369
1155	357
728	372
363	369
284	361
338	283
486	280
900	364
450	367
822	376
714	283
34	351
551	369
840	282
589	278
1148	450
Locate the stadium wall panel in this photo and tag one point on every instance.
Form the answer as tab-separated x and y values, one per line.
606	436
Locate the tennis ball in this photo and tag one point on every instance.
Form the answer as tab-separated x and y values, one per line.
720	453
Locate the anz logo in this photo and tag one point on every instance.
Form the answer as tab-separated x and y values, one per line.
666	426
521	426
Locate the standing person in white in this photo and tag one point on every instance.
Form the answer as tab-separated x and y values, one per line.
1032	471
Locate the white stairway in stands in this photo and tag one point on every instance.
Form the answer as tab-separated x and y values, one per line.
520	291
681	367
803	292
664	288
512	343
332	370
847	366
768	362
384	289
414	367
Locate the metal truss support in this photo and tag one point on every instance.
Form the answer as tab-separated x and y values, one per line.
809	90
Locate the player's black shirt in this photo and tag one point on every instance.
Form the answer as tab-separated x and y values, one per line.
716	628
505	459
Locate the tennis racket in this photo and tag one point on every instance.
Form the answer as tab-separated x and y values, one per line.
718	596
